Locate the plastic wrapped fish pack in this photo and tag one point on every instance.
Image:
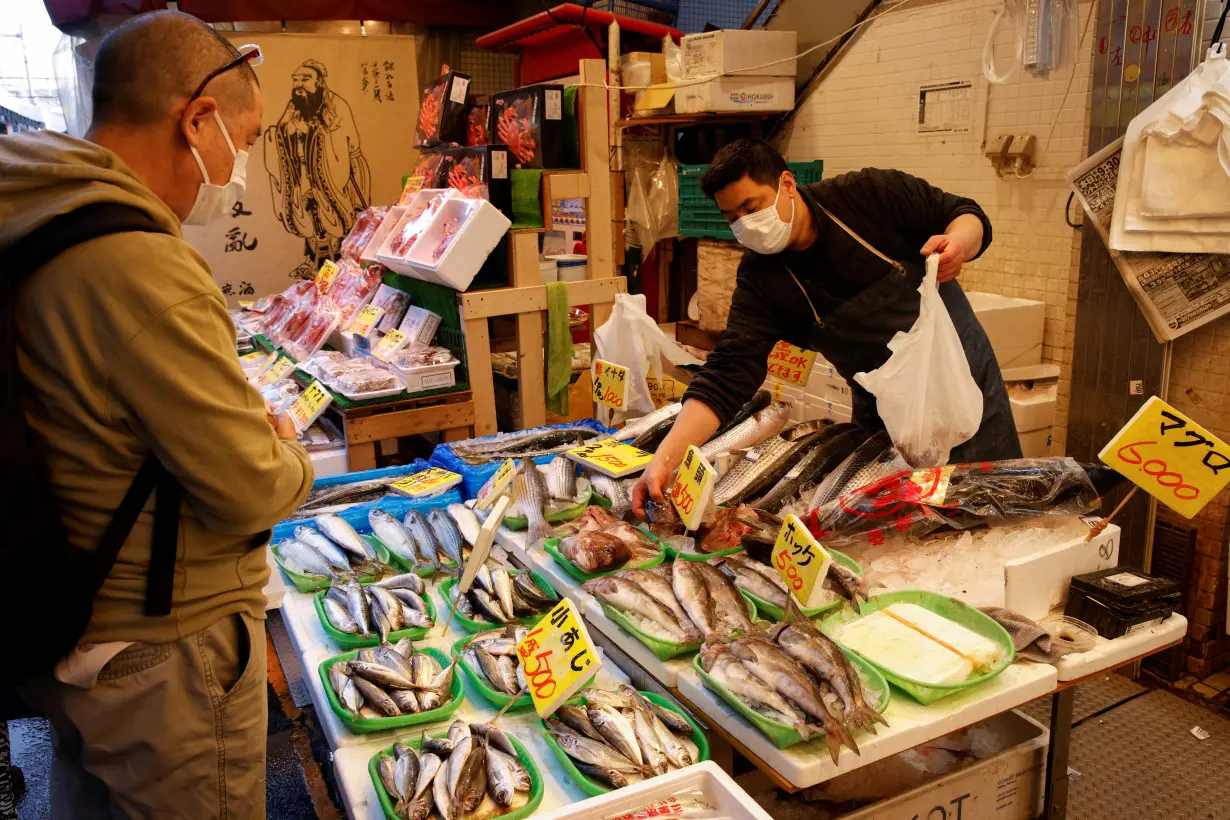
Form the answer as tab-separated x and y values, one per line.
963	496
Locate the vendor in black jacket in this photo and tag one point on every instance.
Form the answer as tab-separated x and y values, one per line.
832	267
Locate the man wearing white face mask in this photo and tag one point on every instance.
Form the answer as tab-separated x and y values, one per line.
127	360
832	267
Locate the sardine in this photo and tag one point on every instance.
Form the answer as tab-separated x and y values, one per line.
386	655
447	536
677	754
593	552
339	617
392	534
594	753
615	491
407	580
616	730
639	425
630	597
533	500
303	559
344	535
391	606
725	668
410	598
380	619
753	430
335	555
562	478
415	617
424	537
376	697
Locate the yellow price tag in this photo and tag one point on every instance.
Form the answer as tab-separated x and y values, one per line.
276	372
500	481
693	488
791	364
324	277
801	562
432	481
387	347
249	358
310	404
246	304
365	320
611	457
557	658
610	384
664	390
1171	457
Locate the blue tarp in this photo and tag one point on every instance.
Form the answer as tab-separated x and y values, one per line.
395	505
473	478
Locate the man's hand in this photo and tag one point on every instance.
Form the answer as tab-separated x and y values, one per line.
654	483
952	255
281	423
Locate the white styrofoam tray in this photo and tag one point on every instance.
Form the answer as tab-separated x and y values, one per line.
275	587
910	723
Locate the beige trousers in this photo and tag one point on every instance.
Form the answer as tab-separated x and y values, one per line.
174	730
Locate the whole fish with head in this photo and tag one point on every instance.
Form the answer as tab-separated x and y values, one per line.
562	478
653	753
815	464
613	490
593	552
575	718
448	536
744	572
627	596
356	605
353	493
341	533
501	777
616	730
649	439
751	431
495	737
442	794
467	522
488	607
758	402
848	584
424	536
528	445
533	500
502	582
393	535
533	594
376	697
774	667
658	586
834	483
302	559
717	660
774	458
335	555
729	609
440	746
391	606
594	753
639	425
406	701
339	617
387	768
379	674
693	595
406	580
672	719
614	779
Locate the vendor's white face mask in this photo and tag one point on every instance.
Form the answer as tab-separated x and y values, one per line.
214	201
764	231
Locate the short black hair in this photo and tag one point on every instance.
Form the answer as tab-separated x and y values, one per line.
743	158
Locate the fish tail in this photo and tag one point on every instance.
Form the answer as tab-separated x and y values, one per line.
834	745
841	734
539	530
872	717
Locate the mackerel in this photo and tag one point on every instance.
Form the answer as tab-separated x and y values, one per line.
392	534
335	555
339	530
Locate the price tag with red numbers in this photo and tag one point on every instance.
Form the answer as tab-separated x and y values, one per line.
557	658
324	277
693	488
275	372
801	562
791	364
310	404
610	384
611	457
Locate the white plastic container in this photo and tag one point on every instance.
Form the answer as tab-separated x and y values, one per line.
477	227
382	233
572	267
431	377
548	271
1014	327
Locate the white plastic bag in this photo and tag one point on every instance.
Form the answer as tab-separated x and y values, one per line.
925	393
631	339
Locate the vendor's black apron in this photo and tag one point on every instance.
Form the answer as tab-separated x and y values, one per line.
854	338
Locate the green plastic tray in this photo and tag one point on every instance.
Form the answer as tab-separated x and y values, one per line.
523	756
348	641
517	523
784	736
696	556
311	583
595	788
470	625
776	613
950	608
479	681
552	548
665	650
362	725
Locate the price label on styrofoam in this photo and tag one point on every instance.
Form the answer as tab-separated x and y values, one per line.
611	457
324	276
263	304
497	485
310	404
387	347
275	372
432	481
610	383
664	390
1171	457
365	320
557	658
801	562
791	364
249	360
693	488
247	304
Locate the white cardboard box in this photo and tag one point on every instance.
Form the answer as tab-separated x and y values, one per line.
1034	410
420	325
1036	443
736	94
1014	327
721	52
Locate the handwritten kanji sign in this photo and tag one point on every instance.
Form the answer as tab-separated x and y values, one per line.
387	347
557	658
791	364
1170	457
499	482
610	384
365	320
801	562
432	481
611	457
693	488
275	372
324	277
310	404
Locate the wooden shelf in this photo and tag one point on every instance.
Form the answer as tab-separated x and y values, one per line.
694	119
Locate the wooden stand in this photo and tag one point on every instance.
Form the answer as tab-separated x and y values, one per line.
526	297
450	413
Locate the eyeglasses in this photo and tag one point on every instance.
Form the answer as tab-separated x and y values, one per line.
247	54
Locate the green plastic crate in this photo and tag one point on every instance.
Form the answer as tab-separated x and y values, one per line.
699	216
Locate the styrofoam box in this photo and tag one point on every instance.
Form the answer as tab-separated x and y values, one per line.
385	255
382	233
431	377
1035	410
821	409
1008	785
479	230
717	788
1036	443
735	94
1014	327
721	52
1037	583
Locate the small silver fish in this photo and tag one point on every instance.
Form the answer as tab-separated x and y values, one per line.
339	617
562	478
392	534
301	558
344	535
534	497
335	555
424	537
448	536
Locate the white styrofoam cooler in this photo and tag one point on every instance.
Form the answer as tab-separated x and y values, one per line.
1034	410
1036	584
479	230
714	53
1014	326
735	94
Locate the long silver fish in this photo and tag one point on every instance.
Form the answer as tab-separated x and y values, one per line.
501	777
519	445
614	490
303	559
344	535
717	660
394	536
628	596
653	753
376	697
335	555
658	585
356	605
760	426
594	753
407	580
448	536
835	482
424	537
562	478
775	458
637	426
814	465
339	617
616	730
534	500
746	575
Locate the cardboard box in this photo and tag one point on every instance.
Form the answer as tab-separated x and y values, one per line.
426	174
1036	443
1014	327
721	52
1033	409
736	94
420	325
530	121
478	122
442	110
479	172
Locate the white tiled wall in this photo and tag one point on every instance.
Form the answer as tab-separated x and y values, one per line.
864	113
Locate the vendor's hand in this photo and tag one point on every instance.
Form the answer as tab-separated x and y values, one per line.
281	423
654	483
952	255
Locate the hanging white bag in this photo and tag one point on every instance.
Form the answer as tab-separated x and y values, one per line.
631	339
925	393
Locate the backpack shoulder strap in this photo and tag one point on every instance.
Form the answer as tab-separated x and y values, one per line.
62	232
